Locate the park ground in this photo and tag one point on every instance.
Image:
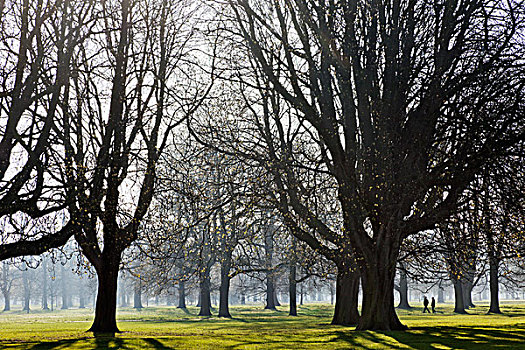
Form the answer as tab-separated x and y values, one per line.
254	328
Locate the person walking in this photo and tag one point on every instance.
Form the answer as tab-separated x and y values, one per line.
433	305
425	303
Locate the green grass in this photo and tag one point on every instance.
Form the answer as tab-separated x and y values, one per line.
253	328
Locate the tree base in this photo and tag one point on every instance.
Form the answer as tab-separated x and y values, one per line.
404	307
494	312
461	312
101	332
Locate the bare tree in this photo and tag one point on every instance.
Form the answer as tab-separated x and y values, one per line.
402	102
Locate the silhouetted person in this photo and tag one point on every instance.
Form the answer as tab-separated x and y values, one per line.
425	303
433	305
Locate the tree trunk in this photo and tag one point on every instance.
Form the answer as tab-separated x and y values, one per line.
441	295
65	304
81	301
44	285
6	286
467	286
137	295
27	292
292	289
346	297
205	299
224	289
122	291
494	286
268	250
403	289
106	303
378	311
182	295
7	301
275	299
459	304
270	290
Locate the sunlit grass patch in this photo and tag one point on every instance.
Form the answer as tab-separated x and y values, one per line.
254	328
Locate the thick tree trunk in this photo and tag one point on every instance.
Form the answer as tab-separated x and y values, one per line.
494	286
106	303
270	293
378	311
346	297
182	295
224	291
467	286
459	304
205	299
137	295
403	289
292	289
275	299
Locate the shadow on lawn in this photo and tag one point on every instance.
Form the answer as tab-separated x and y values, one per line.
462	337
438	338
102	342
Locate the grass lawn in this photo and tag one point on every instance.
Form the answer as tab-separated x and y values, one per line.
254	328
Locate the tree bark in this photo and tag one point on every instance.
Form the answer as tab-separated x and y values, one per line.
205	299
378	311
224	289
270	288
7	302
459	303
270	293
65	304
6	286
346	297
182	295
275	299
292	289
403	289
44	285
27	292
494	286
137	295
466	287
106	303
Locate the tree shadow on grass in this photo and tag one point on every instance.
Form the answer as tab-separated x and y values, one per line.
512	337
101	343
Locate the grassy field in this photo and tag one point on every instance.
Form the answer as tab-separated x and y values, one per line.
253	328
